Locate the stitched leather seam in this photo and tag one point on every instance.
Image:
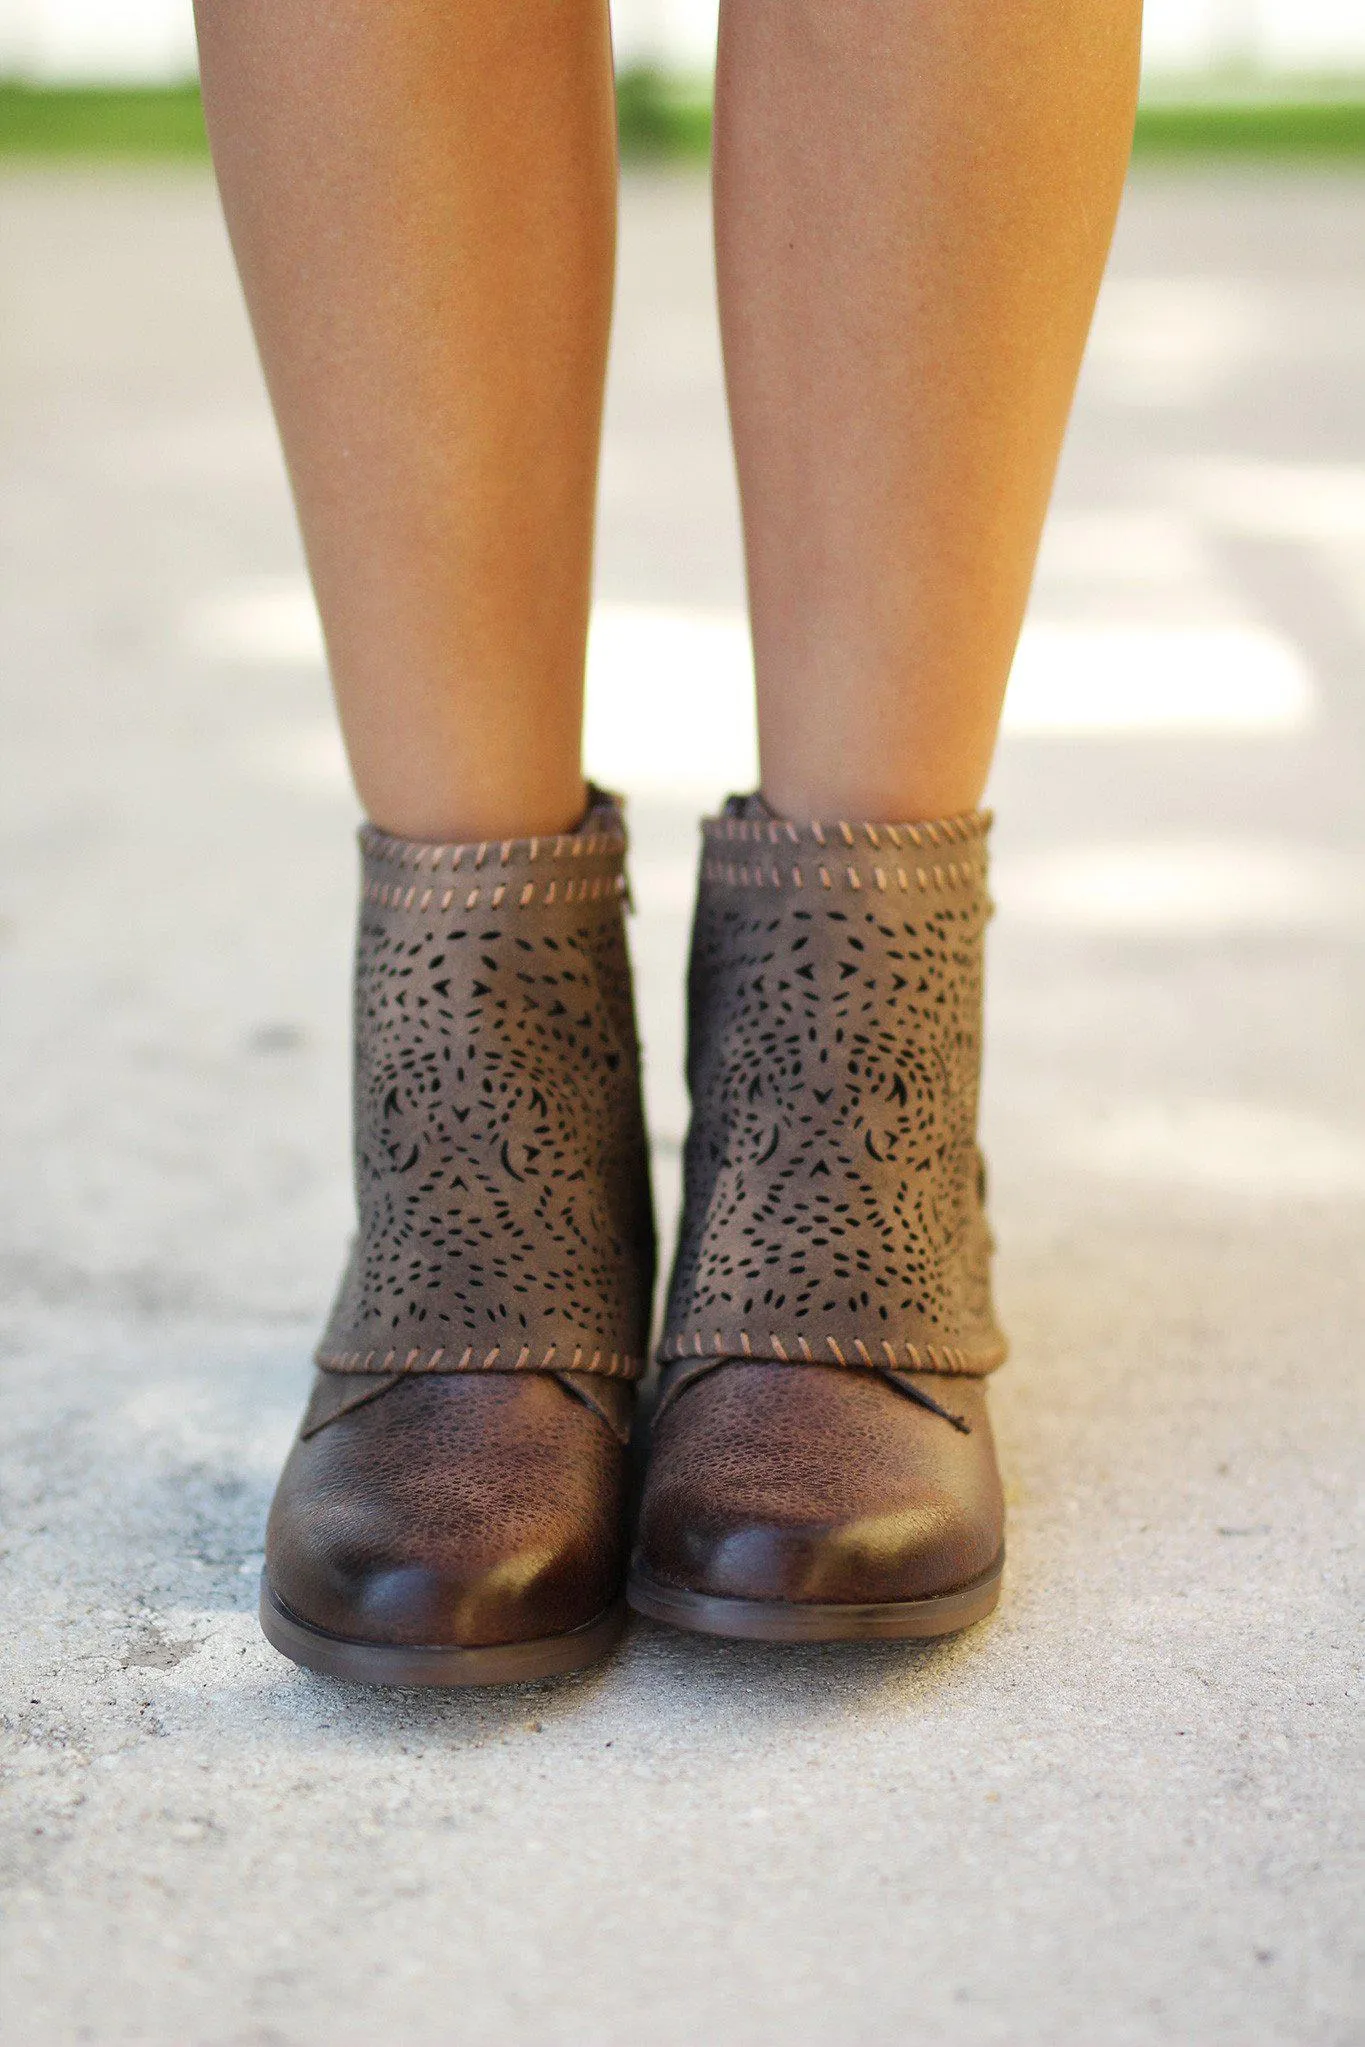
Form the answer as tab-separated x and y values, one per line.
961	830
737	1345
942	875
395	897
432	858
606	1364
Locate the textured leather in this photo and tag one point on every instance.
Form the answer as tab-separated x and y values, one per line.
459	1474
501	1170
831	1288
458	1509
802	1482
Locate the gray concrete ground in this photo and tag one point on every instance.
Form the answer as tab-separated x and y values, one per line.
1123	1811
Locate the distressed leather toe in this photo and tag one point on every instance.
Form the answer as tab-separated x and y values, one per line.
453	1511
788	1482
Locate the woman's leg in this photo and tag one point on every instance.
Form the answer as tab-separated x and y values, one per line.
913	203
422	203
914	200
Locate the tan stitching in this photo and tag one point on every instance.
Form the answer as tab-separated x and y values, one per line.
427	856
950	1360
619	1365
958	873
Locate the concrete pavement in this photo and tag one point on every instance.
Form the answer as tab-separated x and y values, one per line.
1124	1811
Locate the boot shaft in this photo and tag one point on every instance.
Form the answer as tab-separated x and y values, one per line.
501	1170
834	1200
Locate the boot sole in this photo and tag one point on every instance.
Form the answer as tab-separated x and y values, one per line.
398	1663
786	1620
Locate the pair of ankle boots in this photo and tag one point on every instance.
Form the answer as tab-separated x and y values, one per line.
820	1464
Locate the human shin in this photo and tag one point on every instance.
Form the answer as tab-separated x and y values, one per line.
453	1508
821	1464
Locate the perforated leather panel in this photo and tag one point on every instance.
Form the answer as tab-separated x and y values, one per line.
501	1170
834	1201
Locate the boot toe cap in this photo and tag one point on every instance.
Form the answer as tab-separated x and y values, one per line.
807	1484
451	1512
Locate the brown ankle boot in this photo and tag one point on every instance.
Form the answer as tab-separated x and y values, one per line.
452	1511
821	1465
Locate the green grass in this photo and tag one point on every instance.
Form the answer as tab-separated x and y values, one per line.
101	121
661	119
1273	129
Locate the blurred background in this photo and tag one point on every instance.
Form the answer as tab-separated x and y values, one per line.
153	40
1120	1812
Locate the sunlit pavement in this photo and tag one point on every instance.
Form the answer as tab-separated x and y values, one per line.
1120	1811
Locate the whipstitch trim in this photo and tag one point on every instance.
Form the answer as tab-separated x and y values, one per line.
581	889
606	1364
889	879
902	867
431	858
962	830
917	1357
